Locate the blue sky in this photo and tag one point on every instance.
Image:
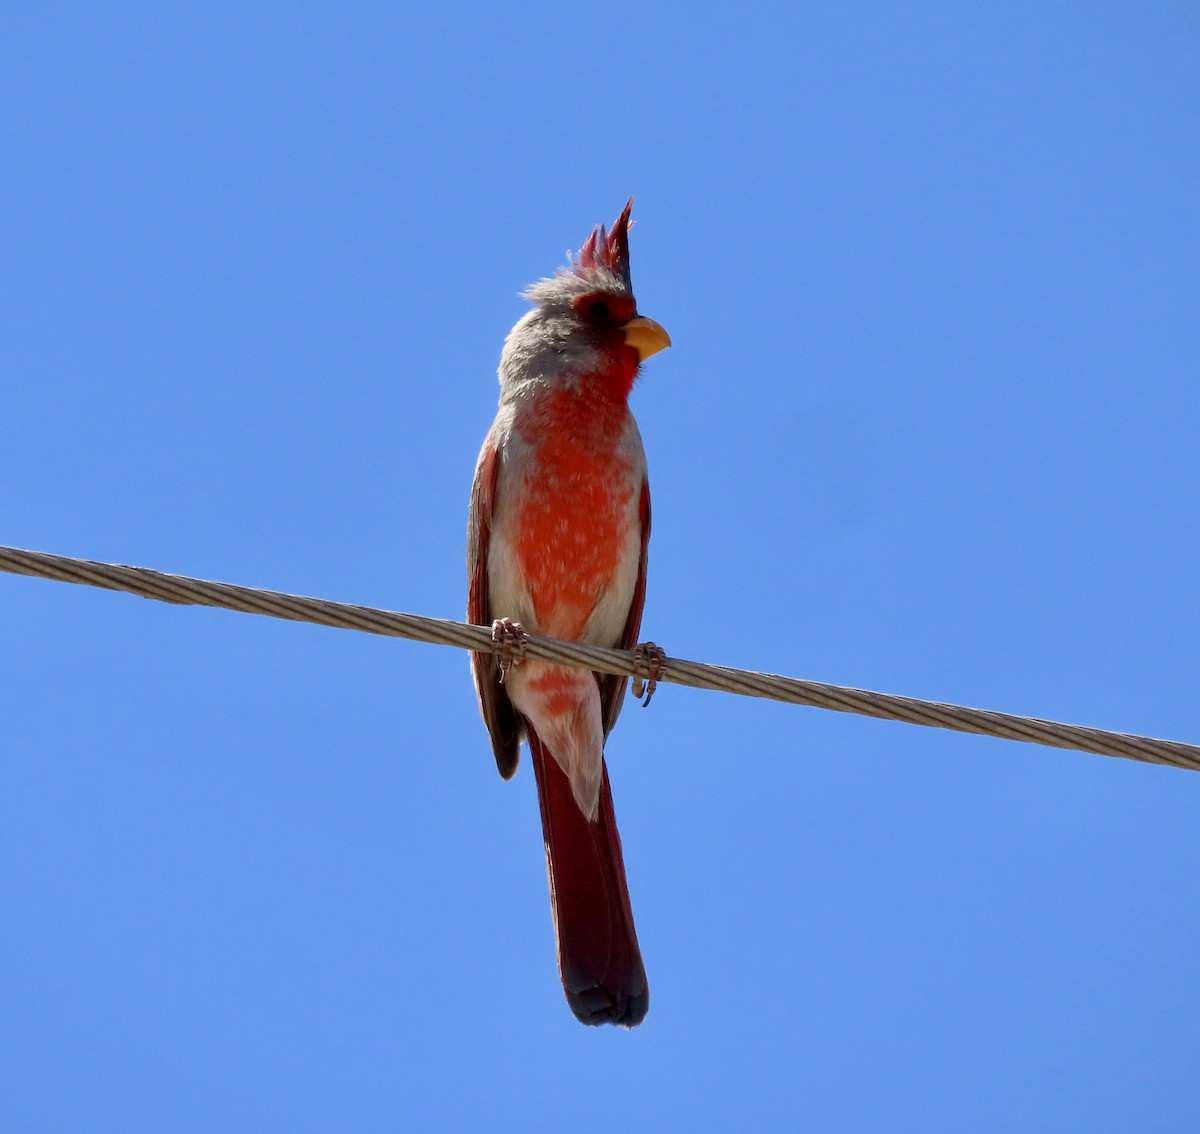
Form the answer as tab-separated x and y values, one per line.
928	426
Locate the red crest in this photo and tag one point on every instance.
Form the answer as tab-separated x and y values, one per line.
609	249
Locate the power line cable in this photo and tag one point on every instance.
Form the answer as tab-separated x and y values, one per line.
183	590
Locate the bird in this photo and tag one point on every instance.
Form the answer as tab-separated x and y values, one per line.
557	539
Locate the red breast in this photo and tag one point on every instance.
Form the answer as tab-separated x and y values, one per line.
575	506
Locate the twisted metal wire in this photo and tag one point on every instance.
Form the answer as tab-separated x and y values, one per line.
187	591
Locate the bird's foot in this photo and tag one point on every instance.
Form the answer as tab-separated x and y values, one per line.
510	637
649	661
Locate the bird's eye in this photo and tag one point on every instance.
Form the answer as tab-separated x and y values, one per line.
604	312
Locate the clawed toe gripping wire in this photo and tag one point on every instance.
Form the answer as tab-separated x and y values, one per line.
649	661
510	637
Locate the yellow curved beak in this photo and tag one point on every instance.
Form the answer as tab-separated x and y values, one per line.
646	337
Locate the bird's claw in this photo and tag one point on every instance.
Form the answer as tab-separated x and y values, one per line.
510	637
649	661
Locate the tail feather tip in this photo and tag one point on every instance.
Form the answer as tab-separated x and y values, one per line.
596	1006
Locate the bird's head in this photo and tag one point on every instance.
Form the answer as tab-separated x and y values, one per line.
585	318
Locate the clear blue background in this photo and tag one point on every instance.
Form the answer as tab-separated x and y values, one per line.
929	426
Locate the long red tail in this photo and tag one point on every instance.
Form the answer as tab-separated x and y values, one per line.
598	955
